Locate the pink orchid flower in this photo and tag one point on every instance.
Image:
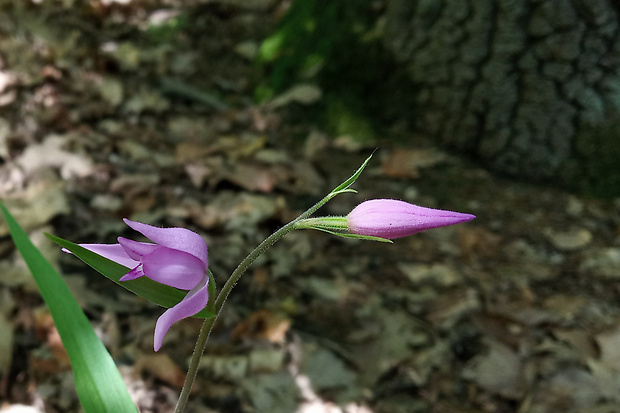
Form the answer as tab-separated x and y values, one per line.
177	257
391	218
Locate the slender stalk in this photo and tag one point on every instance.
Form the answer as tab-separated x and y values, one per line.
205	330
216	307
262	247
199	349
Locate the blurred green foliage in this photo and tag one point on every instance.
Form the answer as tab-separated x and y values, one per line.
337	46
166	30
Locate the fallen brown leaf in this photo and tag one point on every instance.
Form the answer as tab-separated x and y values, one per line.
262	325
162	367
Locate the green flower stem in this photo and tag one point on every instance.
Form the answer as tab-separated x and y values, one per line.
207	326
199	349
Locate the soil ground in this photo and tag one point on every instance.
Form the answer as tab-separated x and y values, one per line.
144	109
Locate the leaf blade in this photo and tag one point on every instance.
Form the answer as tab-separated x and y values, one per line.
346	184
98	382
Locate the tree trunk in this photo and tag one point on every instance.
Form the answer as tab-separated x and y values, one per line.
531	87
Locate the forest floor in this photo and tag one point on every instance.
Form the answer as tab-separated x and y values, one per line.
109	110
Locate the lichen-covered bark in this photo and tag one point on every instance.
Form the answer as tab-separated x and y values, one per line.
530	86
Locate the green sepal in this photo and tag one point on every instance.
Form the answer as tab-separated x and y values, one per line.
354	236
335	225
332	223
144	287
212	287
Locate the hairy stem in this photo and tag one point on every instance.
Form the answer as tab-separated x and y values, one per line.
201	343
207	326
216	306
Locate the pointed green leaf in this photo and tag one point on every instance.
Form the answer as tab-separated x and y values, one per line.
98	382
346	184
146	288
340	189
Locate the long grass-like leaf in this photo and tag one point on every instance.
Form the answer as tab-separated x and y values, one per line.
99	384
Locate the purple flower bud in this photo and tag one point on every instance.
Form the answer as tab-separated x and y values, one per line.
390	218
177	257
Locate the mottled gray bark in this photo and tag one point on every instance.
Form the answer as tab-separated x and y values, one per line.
532	87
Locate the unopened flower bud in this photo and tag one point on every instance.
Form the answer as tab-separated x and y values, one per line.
390	218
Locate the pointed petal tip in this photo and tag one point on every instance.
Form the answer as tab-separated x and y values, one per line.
136	250
465	217
193	303
468	217
133	274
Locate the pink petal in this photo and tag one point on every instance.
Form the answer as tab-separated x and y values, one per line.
136	250
181	239
174	268
193	302
133	274
112	252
